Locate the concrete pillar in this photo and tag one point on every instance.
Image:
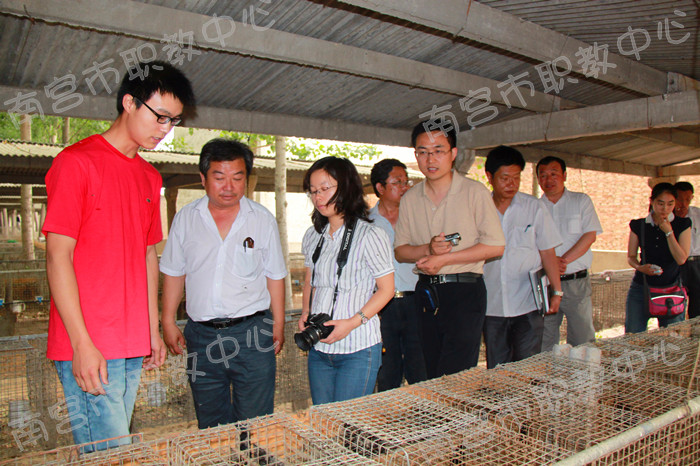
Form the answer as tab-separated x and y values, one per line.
27	205
535	185
27	214
42	217
4	223
65	134
171	204
281	210
252	183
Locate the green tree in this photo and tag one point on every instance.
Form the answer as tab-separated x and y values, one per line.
48	129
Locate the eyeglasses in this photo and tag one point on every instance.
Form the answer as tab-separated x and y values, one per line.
321	190
437	152
161	119
407	183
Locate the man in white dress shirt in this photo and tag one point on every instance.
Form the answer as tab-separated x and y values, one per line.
690	271
513	325
225	249
578	225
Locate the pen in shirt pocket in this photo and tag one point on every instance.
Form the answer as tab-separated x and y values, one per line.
527	227
248	243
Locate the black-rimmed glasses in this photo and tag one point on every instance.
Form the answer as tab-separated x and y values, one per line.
161	119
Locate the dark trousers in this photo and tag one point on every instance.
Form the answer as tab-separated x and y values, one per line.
452	336
231	371
402	354
510	339
690	273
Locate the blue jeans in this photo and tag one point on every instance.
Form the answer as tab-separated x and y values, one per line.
98	417
339	377
636	314
231	370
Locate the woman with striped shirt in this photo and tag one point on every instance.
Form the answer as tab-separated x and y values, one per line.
344	365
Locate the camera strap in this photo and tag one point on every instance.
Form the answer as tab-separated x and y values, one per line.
341	261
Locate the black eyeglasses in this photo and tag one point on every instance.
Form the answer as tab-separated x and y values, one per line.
162	119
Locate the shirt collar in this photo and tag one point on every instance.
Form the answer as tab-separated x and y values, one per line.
650	219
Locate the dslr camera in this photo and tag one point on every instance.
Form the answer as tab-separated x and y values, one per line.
314	331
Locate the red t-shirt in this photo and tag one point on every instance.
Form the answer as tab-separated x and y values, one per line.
111	205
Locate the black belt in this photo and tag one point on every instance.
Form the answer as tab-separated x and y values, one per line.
464	277
403	294
693	258
573	276
225	323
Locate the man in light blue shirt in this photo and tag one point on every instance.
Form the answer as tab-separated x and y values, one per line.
514	326
690	271
401	352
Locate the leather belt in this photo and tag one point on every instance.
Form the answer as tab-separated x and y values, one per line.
464	277
403	294
573	276
225	323
693	258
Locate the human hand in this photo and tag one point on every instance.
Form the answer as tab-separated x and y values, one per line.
563	263
158	353
302	321
278	336
438	245
430	265
342	328
89	368
651	269
554	303
173	337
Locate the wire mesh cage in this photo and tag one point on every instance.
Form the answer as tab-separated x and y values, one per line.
134	453
399	427
271	440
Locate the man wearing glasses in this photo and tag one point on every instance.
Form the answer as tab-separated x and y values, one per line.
450	276
401	349
102	225
225	249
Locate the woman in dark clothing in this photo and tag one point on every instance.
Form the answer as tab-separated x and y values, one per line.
666	247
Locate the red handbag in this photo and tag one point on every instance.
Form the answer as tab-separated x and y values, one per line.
667	302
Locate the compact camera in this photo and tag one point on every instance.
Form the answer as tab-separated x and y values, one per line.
314	331
453	238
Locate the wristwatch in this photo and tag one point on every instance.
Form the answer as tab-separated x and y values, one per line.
668	233
558	293
363	318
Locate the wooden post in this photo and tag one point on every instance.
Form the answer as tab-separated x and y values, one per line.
65	136
171	204
535	183
281	210
252	183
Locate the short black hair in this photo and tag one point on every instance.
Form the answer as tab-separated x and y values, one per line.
162	78
380	172
549	159
503	156
349	196
423	127
661	188
225	150
684	186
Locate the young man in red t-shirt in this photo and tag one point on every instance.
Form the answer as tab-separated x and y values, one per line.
102	225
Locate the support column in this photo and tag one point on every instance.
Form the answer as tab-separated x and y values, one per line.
65	134
252	183
535	184
281	210
27	205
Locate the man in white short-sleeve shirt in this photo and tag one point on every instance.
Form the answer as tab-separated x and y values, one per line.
513	326
690	271
578	225
225	249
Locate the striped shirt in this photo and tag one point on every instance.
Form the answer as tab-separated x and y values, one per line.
369	258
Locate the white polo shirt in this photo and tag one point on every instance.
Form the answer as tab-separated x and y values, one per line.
694	216
224	279
573	215
529	229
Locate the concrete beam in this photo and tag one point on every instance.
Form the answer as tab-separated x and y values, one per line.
487	25
151	22
237	120
681	170
585	162
668	111
673	136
